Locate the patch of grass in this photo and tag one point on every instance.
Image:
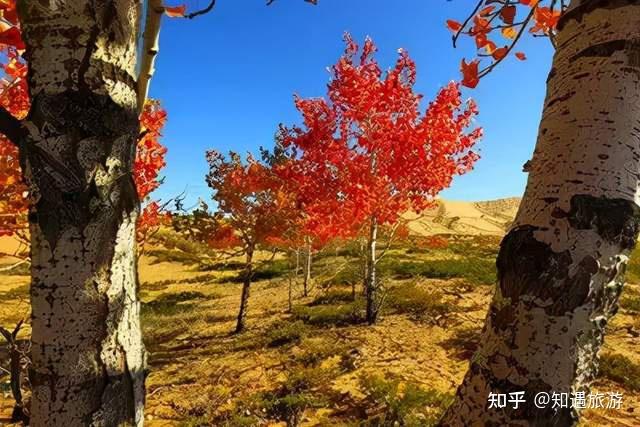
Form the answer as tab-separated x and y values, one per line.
474	269
171	304
173	255
270	271
347	276
419	303
334	296
331	314
401	403
313	351
630	302
284	332
633	267
620	369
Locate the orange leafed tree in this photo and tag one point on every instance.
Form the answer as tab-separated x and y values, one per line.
370	152
253	208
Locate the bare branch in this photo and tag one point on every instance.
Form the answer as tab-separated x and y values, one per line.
202	11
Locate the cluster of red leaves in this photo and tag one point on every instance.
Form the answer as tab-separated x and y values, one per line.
495	28
150	155
14	97
367	151
253	205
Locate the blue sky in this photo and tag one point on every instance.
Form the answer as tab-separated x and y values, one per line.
227	80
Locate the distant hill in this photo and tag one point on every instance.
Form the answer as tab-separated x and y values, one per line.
491	217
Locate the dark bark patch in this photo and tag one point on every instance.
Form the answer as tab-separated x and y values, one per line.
615	220
586	7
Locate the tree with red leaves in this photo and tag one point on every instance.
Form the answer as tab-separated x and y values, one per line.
561	264
368	152
253	208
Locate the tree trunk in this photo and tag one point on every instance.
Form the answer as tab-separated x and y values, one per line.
371	281
246	288
307	271
88	359
561	266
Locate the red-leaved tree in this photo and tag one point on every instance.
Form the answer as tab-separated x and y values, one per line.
253	208
370	152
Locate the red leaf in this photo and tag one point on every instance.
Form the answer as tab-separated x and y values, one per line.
521	56
470	76
175	11
11	37
499	53
454	26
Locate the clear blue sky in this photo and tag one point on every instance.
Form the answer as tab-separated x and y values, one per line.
227	80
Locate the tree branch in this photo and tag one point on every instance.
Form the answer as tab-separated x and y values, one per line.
150	49
202	11
11	127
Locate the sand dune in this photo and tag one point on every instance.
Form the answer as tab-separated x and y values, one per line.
491	217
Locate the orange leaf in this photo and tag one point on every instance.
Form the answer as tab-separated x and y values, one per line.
486	11
521	56
470	77
454	26
509	33
175	11
499	53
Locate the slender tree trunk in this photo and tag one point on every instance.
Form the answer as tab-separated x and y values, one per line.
307	270
561	266
365	266
371	281
246	288
88	359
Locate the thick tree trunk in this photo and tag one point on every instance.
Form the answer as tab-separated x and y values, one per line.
307	270
561	266
371	279
246	289
88	359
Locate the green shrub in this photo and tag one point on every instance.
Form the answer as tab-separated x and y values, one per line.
171	304
400	403
620	369
314	351
331	315
269	271
474	269
418	302
633	267
334	296
284	332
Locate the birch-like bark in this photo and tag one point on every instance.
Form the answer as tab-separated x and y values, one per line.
88	359
371	280
307	270
561	266
246	290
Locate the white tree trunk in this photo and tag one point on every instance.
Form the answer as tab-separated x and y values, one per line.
307	270
371	278
561	266
87	353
